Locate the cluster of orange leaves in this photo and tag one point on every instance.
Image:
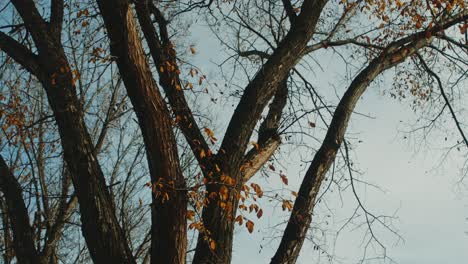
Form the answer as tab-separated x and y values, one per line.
13	113
162	189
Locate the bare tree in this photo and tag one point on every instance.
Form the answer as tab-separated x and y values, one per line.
272	42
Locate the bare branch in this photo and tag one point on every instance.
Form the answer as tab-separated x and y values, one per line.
168	243
34	22
289	11
164	57
446	99
19	53
301	216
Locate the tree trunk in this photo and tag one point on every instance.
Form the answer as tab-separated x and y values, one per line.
104	237
219	224
301	215
169	209
101	230
23	237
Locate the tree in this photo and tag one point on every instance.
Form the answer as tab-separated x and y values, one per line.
160	100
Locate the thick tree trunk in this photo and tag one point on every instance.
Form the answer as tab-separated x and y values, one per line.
9	252
169	238
218	223
23	237
165	58
104	237
101	230
301	216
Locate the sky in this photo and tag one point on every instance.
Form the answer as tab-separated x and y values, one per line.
429	203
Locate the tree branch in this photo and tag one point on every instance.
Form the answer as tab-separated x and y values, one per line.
23	238
34	22
20	53
259	91
268	137
446	99
100	228
164	57
301	215
239	131
289	11
56	17
168	243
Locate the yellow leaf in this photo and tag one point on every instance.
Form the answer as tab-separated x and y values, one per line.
222	205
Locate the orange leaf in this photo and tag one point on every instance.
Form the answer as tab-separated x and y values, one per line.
250	226
255	144
190	215
209	132
271	167
212	244
239	219
223	193
284	179
287	205
202	154
257	189
259	213
418	25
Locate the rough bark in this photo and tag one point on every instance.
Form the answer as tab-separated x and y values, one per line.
54	233
168	244
104	237
9	252
101	230
256	158
23	237
165	59
301	216
268	136
256	95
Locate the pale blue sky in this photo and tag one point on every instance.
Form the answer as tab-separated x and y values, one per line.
425	197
